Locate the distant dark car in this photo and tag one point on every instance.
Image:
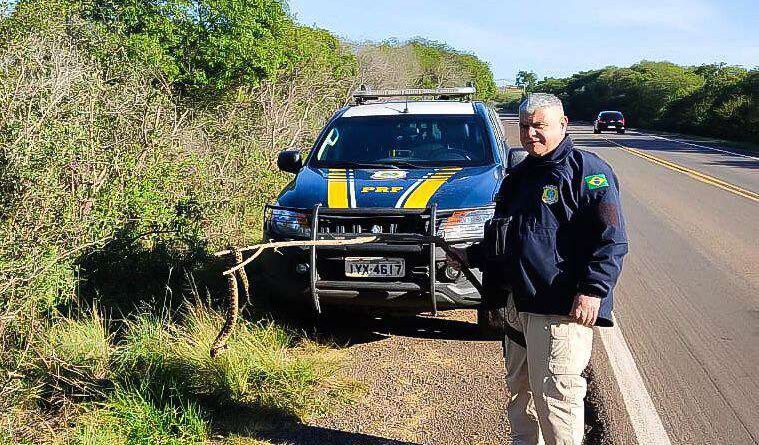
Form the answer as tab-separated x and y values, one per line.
609	120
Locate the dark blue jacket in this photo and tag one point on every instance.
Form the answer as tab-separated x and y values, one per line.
566	234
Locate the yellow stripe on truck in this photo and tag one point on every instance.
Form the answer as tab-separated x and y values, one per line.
337	189
419	198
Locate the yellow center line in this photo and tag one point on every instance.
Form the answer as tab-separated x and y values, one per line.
711	180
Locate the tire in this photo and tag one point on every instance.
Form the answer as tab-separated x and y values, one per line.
596	131
272	292
620	131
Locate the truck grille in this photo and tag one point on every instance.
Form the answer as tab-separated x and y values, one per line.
392	225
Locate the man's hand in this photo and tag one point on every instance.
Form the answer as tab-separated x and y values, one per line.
453	261
585	309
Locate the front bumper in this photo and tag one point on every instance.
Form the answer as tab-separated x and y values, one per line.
317	274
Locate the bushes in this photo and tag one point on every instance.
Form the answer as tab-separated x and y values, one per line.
137	137
207	46
115	185
712	100
422	63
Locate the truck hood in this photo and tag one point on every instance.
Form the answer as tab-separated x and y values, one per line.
448	187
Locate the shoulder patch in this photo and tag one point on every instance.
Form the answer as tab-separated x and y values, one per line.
596	181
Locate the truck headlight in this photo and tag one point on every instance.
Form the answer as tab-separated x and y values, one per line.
288	223
465	224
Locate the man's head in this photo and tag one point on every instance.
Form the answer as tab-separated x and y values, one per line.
542	124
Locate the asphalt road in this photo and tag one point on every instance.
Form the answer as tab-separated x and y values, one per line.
687	303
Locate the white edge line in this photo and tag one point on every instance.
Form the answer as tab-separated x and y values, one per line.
645	421
698	145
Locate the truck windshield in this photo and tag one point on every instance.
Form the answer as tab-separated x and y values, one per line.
404	140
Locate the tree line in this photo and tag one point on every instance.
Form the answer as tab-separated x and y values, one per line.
716	100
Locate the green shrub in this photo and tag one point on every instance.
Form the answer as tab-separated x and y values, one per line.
263	367
711	100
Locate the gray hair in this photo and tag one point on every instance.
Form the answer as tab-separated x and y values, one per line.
539	100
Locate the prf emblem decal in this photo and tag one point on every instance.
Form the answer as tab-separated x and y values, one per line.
389	174
596	181
550	194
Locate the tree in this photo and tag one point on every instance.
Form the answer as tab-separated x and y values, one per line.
200	45
526	80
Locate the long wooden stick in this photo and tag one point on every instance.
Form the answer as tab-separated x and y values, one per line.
261	247
234	296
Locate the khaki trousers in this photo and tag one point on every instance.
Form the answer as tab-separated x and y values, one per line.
547	391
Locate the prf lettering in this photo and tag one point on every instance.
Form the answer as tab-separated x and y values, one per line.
381	189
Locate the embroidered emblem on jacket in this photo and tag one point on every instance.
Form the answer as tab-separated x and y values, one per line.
550	194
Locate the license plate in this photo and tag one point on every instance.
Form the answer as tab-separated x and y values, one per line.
370	267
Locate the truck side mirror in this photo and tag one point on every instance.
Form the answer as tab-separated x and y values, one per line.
290	161
516	156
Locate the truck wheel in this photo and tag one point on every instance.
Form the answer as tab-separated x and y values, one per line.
272	292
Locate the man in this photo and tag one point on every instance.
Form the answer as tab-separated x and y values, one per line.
558	244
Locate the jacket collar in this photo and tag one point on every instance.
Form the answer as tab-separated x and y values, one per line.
557	156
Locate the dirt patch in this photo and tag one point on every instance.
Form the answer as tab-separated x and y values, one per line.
430	381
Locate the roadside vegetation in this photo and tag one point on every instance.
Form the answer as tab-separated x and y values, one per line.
137	138
715	100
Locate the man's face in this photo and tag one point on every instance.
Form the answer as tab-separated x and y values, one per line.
542	131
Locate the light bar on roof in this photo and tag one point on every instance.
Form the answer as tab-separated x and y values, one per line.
366	94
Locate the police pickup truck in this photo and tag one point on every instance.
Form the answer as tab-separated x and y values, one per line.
406	171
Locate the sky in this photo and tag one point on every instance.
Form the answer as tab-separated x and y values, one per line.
554	38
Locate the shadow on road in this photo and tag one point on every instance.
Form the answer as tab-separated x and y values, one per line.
662	146
299	434
347	328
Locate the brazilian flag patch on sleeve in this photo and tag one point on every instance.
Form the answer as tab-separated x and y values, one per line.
596	181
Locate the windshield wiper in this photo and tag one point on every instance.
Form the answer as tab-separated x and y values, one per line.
406	164
354	164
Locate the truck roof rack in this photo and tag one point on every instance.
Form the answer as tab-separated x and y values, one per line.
365	94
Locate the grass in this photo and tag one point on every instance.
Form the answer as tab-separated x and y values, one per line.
72	356
128	418
154	382
264	367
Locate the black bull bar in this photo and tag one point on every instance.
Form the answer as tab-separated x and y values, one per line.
388	242
384	243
